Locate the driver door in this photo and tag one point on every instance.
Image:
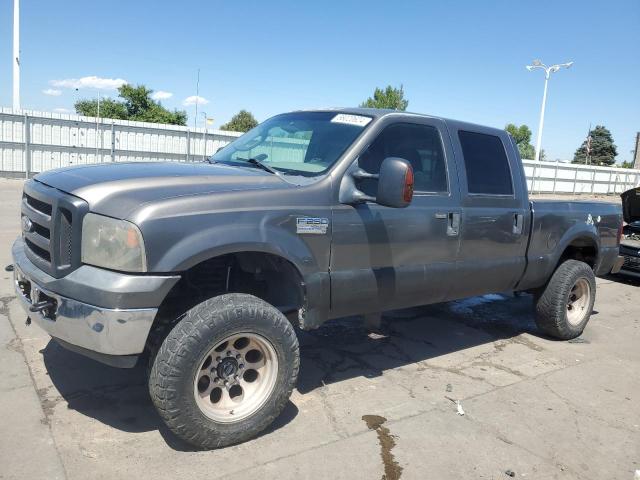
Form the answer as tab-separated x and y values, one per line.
384	258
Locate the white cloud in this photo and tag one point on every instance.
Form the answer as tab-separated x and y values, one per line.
193	99
62	110
52	91
161	95
90	82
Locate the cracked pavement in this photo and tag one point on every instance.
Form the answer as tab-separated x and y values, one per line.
541	408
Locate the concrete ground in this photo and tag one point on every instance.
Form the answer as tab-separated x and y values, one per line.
367	405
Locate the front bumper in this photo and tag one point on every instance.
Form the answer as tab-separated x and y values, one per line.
112	334
631	257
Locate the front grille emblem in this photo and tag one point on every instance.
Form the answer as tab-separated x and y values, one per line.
27	225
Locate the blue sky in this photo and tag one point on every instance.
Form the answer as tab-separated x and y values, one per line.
458	59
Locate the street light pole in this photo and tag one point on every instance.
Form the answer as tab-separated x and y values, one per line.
98	127
204	137
547	73
541	124
16	55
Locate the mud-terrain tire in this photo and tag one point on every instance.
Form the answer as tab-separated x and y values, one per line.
564	307
255	337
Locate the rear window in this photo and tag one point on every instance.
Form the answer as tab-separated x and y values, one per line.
486	163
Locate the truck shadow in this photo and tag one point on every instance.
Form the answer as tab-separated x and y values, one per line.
626	279
344	349
339	350
117	397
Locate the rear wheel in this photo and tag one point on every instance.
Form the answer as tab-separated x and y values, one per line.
226	371
564	306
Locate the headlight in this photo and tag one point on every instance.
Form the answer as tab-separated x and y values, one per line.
113	244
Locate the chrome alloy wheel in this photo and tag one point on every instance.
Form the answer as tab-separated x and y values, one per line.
578	301
236	377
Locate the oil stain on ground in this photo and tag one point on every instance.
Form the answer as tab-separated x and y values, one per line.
392	471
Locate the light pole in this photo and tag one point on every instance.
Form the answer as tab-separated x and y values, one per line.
547	73
98	128
204	136
16	55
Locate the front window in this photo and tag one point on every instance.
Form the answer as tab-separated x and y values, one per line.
301	143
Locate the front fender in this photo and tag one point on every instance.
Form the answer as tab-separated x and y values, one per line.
224	239
266	238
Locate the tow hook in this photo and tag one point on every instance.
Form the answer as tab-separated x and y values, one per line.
40	306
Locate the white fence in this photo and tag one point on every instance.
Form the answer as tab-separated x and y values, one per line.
32	142
559	177
36	141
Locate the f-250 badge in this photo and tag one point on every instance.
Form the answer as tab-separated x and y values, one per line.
312	225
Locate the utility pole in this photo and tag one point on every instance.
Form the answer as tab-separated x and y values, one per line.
98	126
587	159
636	154
195	118
204	137
16	55
547	73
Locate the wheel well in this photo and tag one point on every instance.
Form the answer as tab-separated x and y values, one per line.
269	277
582	249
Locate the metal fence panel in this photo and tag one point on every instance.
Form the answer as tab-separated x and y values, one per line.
32	142
559	177
41	141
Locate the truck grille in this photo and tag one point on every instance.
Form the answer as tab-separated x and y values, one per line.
51	228
631	263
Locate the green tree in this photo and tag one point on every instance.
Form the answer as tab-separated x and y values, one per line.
243	121
136	104
603	150
627	164
109	108
390	97
522	137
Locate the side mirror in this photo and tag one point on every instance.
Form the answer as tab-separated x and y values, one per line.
395	183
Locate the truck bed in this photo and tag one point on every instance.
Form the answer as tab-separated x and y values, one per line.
553	225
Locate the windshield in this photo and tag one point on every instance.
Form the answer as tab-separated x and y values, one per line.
301	143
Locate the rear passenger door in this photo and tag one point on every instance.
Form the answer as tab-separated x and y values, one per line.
495	212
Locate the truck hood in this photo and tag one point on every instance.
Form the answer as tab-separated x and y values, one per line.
119	188
631	205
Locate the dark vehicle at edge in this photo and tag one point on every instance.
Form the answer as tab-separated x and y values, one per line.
630	242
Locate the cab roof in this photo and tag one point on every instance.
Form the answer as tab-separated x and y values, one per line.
377	113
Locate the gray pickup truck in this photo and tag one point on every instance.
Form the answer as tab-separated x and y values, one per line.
312	215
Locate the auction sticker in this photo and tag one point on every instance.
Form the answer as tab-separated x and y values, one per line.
348	119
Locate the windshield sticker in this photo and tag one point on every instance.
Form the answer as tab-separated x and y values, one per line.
357	120
315	226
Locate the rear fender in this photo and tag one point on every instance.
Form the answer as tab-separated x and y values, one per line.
542	263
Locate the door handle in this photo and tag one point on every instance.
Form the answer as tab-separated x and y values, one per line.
441	216
518	222
453	224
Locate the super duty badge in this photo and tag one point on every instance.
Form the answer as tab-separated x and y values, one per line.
312	225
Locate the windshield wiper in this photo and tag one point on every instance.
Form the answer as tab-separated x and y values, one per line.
259	164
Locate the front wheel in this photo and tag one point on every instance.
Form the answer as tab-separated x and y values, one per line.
225	371
564	307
